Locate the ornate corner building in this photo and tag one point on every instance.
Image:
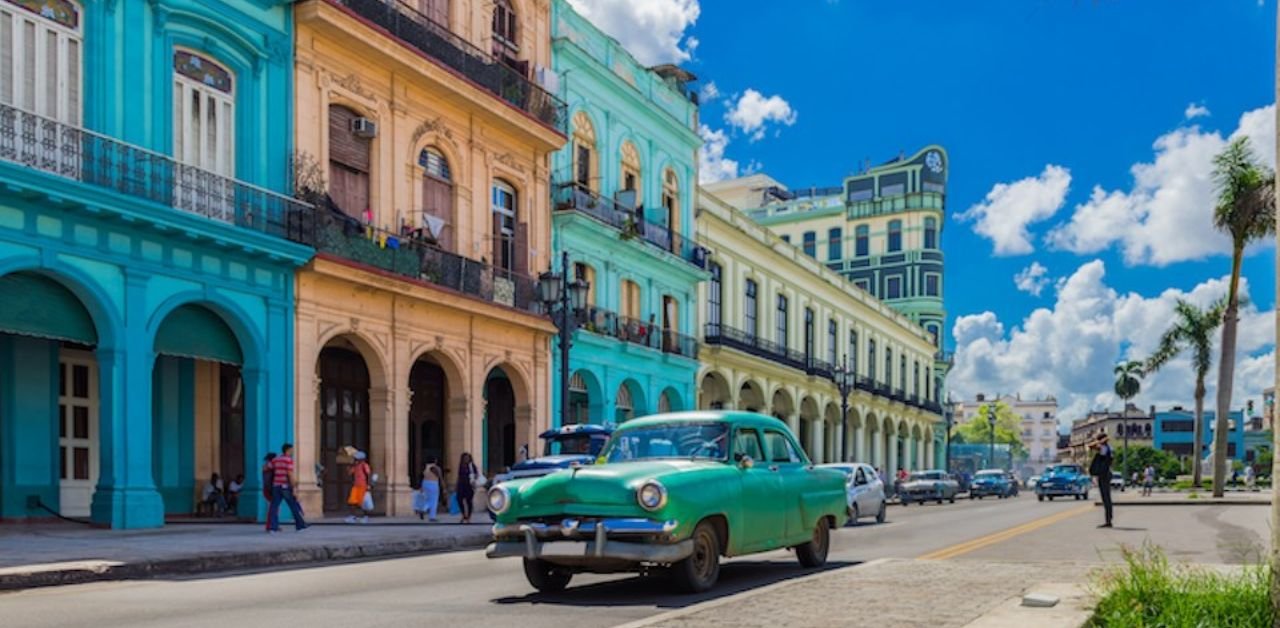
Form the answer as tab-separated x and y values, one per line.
623	194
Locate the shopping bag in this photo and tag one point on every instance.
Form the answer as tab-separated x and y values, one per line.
367	504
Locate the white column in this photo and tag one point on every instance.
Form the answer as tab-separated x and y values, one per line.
819	441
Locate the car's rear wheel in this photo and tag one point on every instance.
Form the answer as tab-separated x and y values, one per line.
1040	497
1086	494
544	577
814	552
880	515
701	569
952	499
1051	498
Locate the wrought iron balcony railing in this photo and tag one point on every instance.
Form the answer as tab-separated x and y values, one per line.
411	256
820	368
78	154
644	333
716	334
404	22
629	222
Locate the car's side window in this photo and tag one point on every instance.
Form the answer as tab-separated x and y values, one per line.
746	442
860	477
780	449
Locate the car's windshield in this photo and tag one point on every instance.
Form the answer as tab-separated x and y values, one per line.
1066	469
926	475
571	444
671	440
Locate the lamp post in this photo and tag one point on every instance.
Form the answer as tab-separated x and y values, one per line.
949	413
843	376
991	423
564	300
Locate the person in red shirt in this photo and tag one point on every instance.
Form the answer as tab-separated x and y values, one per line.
282	483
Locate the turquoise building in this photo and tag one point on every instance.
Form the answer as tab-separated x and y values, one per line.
147	254
624	188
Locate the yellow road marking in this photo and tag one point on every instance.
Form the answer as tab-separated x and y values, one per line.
1004	535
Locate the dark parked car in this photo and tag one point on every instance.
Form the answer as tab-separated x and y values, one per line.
991	483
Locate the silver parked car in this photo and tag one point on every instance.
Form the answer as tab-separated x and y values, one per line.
865	491
928	486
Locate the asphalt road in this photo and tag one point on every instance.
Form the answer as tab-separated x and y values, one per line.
461	589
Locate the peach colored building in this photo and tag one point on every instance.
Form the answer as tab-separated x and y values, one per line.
423	136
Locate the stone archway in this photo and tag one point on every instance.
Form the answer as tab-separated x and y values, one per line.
831	433
713	392
751	397
810	428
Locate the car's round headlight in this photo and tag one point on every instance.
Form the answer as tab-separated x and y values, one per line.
499	499
651	495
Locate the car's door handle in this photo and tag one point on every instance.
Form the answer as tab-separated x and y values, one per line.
773	467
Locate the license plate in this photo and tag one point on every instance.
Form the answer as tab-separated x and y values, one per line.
563	548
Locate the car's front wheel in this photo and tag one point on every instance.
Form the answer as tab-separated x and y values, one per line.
880	515
814	552
854	515
1040	497
701	569
544	577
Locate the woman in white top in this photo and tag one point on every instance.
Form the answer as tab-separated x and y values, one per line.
432	480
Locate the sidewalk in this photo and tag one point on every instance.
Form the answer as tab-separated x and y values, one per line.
902	593
1133	497
65	553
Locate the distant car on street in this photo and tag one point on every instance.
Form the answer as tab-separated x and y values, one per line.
934	485
564	447
991	483
865	490
1117	482
1063	480
1032	481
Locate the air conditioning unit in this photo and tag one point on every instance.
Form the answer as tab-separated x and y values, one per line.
364	127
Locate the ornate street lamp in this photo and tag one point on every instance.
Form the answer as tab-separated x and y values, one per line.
843	376
565	301
949	414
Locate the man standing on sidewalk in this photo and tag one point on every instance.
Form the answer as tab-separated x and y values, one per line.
282	483
1101	468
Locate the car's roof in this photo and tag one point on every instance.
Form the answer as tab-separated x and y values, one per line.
706	416
1001	471
577	428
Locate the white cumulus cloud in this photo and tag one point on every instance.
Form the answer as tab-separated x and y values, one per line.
753	111
1195	110
1068	350
712	164
708	93
1167	215
653	31
1007	210
1032	279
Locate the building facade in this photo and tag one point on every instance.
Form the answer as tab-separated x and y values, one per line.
147	251
777	325
424	137
1039	423
1133	421
1174	432
623	192
881	229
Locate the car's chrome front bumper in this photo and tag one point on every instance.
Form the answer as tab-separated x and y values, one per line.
585	540
1058	490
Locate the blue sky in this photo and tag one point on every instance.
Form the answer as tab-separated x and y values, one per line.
1050	98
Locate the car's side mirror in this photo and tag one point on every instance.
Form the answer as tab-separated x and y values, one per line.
745	461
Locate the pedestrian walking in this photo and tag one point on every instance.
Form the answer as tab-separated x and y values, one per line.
1250	478
1100	468
282	484
432	480
1148	480
359	500
268	476
468	478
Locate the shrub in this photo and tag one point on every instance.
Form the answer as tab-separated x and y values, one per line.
1147	591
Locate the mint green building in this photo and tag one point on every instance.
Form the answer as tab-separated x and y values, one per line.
623	190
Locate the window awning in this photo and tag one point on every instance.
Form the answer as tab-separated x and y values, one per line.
34	305
195	332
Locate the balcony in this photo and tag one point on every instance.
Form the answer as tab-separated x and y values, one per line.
723	335
637	332
820	368
406	23
945	357
408	255
574	197
78	154
894	204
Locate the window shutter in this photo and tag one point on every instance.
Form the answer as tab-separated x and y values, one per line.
6	57
497	260
521	264
344	146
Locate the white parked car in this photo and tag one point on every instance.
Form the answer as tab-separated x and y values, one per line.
865	491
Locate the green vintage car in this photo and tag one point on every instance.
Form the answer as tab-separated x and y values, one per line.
671	492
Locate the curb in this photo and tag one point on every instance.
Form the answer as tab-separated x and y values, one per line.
1190	502
100	571
729	599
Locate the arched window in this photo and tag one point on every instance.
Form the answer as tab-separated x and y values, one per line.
509	238
506	45
624	404
671	199
895	236
585	169
670	324
584	272
629	299
664	403
204	134
631	176
40	69
437	196
862	236
930	233
350	157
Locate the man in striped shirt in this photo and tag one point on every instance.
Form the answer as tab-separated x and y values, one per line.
282	483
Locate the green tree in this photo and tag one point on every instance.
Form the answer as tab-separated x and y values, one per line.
1167	465
1128	385
1192	329
978	429
1245	211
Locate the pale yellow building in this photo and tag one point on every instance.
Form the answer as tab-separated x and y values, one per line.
423	135
777	326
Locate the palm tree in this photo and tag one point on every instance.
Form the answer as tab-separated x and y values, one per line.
1128	384
1192	329
1245	210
